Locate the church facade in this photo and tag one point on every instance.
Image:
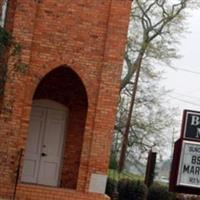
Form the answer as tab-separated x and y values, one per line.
57	117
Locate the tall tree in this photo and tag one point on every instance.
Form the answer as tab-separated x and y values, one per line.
154	32
155	29
150	122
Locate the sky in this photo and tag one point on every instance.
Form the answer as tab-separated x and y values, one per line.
185	80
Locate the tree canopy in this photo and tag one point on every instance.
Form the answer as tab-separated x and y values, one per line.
155	30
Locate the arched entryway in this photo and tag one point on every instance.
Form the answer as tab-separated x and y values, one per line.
57	124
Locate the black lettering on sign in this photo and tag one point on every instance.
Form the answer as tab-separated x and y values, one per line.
194	170
195	160
197	169
194	180
198	181
186	169
194	149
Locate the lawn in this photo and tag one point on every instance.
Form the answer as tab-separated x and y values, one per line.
116	176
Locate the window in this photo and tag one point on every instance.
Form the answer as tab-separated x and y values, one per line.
3	10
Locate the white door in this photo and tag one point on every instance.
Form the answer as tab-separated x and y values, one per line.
43	154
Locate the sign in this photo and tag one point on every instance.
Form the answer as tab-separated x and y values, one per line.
185	168
189	167
192	125
98	183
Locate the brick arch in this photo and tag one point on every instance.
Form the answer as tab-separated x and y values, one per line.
40	72
63	85
59	78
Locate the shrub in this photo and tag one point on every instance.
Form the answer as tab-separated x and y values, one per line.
113	162
187	197
159	192
131	190
110	186
5	40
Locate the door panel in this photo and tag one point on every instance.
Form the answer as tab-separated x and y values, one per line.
43	155
52	147
33	147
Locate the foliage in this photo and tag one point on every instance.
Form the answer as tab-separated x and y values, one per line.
115	175
187	197
131	190
113	162
150	122
154	33
5	40
159	192
9	48
110	187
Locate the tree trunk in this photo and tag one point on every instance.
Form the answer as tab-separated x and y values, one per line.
126	132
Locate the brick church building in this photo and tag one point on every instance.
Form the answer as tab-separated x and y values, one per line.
57	118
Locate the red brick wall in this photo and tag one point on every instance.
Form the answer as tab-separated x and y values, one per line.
89	37
34	193
10	15
9	26
40	193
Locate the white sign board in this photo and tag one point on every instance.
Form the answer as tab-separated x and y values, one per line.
189	167
98	183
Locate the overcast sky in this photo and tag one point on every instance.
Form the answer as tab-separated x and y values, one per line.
185	81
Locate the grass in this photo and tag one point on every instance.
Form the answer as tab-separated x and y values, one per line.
116	176
113	174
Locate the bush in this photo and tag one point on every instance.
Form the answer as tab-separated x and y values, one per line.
110	186
131	190
113	162
5	40
159	192
187	197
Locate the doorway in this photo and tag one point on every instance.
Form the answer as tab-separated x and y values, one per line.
44	149
59	91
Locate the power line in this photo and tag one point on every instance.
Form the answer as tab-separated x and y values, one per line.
185	101
188	70
184	95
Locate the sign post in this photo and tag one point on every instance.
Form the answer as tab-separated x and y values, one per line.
150	170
